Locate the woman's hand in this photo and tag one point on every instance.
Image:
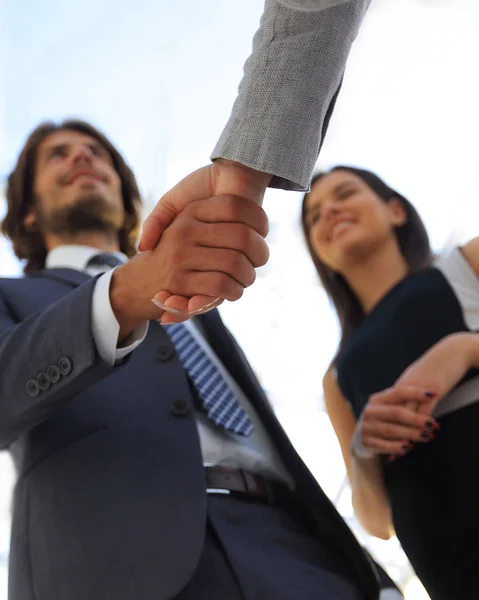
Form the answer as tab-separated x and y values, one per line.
390	424
437	372
442	367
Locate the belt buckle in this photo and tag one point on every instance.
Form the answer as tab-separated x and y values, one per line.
218	491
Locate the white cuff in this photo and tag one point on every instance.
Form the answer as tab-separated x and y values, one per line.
105	327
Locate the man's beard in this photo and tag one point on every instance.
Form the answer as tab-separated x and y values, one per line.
87	213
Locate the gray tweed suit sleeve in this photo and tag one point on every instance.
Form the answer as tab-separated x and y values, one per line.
290	84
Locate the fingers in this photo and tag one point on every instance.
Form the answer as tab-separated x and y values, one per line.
405	427
402	394
219	178
235	236
428	434
230	262
218	273
184	308
397	415
177	305
383	423
169	318
228	208
188	235
210	284
391	423
381	446
195	186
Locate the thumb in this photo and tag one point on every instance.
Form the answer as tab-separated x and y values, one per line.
196	186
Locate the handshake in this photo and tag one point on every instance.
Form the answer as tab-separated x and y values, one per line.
200	245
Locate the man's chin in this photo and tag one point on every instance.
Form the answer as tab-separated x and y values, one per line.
91	212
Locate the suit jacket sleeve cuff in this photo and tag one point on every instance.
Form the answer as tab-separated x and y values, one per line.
105	327
289	88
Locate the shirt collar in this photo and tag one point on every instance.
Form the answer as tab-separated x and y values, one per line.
72	256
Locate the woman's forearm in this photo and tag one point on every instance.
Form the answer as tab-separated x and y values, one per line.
369	497
470	343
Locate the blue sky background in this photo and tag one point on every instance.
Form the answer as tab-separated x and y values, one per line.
147	75
160	76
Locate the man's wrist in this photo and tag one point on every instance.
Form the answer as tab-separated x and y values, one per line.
121	304
235	178
257	176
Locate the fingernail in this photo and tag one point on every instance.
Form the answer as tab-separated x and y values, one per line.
159	304
429	424
425	435
430	394
406	447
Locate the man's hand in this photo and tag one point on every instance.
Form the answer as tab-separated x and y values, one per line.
221	177
212	248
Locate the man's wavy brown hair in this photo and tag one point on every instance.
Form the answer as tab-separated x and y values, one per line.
29	245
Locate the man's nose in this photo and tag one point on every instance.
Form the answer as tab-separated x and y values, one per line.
82	154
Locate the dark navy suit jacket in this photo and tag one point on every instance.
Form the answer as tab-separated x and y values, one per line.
110	502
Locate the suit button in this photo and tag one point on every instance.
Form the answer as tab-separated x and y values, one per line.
43	381
65	366
165	352
180	408
54	374
32	387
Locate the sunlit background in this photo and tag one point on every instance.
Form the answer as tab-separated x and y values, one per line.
159	77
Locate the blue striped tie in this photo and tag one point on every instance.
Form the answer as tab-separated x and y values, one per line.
218	400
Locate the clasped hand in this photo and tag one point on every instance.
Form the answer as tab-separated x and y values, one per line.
396	419
222	179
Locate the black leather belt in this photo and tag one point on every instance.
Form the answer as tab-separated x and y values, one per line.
248	486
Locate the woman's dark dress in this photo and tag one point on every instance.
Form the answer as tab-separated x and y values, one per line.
434	490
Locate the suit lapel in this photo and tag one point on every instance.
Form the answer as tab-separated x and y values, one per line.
232	357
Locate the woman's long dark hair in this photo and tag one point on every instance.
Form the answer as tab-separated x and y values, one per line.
413	242
29	245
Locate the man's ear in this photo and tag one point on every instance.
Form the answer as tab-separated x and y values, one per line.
398	212
30	219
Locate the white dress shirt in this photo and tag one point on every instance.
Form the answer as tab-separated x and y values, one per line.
254	453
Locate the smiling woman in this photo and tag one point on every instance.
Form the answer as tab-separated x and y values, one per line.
406	371
383	217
